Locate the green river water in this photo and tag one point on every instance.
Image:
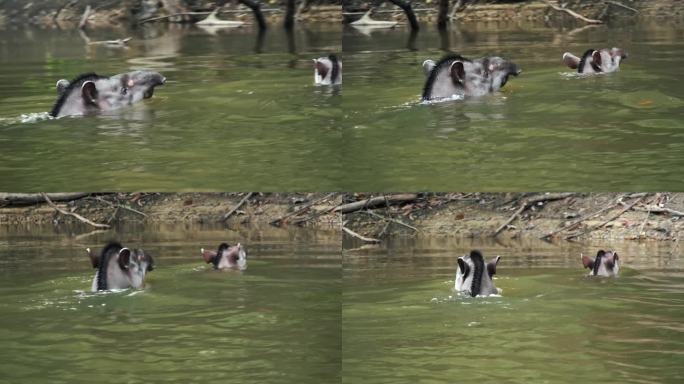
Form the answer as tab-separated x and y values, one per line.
276	322
236	115
401	322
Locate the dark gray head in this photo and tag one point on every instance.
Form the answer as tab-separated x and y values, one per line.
605	264
226	256
455	75
90	92
596	61
119	267
327	70
474	277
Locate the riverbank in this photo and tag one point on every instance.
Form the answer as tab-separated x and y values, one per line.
552	216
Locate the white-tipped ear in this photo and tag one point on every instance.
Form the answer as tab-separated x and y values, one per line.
89	92
61	85
571	60
457	71
428	66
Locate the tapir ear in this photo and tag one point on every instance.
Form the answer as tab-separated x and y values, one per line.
124	258
457	72
94	259
62	86
428	66
89	92
150	261
571	60
587	262
596	55
491	266
463	267
322	69
208	255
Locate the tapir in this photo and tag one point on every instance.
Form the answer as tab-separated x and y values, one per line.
474	276
226	257
90	92
606	264
119	267
596	61
454	75
327	70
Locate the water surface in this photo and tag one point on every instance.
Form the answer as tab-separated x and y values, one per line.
278	321
402	323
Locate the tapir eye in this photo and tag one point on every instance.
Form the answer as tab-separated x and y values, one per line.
124	90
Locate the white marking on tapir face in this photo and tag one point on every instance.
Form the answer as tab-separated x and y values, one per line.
463	283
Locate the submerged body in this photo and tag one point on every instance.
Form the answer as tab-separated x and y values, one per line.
454	75
226	257
605	264
327	70
596	61
91	93
474	276
119	267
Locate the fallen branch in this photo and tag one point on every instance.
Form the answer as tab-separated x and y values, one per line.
256	10
376	202
306	207
389	219
120	206
35	198
529	202
361	237
622	211
580	220
655	209
84	18
76	215
235	208
573	14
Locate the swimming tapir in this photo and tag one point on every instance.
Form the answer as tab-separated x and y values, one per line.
226	257
596	61
90	92
474	276
454	75
119	267
327	70
605	264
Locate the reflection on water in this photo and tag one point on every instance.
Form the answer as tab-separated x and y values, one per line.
402	322
276	322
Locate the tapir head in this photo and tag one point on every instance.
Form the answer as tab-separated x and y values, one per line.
119	267
605	264
327	70
456	75
91	92
135	263
226	257
596	61
474	276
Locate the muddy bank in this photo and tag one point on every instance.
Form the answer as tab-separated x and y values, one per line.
280	209
572	216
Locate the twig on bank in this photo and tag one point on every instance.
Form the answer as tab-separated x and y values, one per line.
72	214
528	203
120	206
304	208
235	208
621	5
375	202
361	237
622	211
656	209
389	219
573	14
581	219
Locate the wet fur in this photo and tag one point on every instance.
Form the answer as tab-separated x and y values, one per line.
444	62
111	249
219	254
478	261
335	68
75	83
586	56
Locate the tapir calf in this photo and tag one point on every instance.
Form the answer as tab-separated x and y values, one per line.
226	257
327	70
90	92
474	276
454	75
119	267
605	264
596	61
